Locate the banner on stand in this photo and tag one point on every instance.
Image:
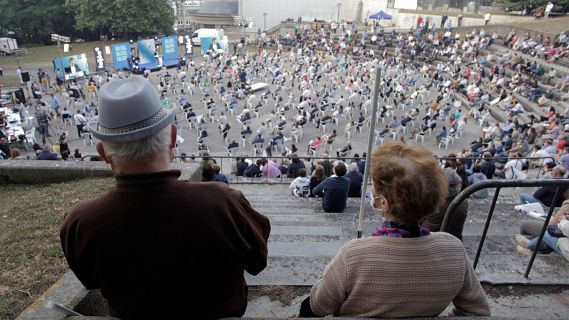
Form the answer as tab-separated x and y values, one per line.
121	55
147	54
170	53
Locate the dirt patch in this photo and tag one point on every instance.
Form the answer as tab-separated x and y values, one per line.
31	259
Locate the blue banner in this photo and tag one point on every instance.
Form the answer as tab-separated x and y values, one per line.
170	53
75	66
146	53
121	55
205	43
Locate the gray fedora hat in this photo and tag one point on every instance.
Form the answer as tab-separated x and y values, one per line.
129	110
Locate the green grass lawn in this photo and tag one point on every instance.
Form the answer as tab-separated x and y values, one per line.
31	258
39	56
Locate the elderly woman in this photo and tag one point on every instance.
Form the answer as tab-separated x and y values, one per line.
402	270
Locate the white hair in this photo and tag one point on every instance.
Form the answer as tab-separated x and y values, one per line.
352	167
139	149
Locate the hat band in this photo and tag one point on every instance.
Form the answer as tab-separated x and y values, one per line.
135	126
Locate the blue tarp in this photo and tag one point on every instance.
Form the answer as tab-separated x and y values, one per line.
380	15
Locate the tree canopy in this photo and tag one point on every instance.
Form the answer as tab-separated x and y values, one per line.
123	17
32	21
519	5
35	20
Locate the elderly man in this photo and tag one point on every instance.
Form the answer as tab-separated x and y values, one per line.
155	246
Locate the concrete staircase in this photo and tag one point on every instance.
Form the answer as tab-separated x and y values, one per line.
304	239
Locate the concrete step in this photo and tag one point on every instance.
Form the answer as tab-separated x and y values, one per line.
493	268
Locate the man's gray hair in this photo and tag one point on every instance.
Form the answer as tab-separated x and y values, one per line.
139	149
352	167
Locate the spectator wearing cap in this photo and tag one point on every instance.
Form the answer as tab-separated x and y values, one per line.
334	189
153	234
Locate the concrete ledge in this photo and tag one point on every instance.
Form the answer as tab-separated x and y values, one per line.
67	291
38	172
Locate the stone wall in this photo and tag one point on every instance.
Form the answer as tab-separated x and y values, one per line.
405	19
38	172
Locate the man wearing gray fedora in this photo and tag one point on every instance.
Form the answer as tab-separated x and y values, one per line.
155	246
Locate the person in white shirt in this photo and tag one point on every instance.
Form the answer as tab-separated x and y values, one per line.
548	9
539	153
513	168
301	185
80	122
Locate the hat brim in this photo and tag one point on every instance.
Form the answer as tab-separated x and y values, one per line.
135	134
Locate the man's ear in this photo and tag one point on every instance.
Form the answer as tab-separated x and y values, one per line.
173	136
101	151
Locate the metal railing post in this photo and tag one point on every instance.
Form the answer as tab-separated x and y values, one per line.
543	230
486	226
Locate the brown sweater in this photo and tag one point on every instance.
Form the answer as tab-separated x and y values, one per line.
399	277
158	247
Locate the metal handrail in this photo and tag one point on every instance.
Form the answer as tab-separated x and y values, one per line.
499	184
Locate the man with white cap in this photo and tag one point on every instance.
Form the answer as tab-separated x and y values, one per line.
155	246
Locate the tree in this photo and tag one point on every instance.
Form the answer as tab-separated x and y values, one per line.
519	5
129	18
35	20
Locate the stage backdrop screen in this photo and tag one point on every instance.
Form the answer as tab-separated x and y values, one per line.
146	52
75	66
170	51
121	55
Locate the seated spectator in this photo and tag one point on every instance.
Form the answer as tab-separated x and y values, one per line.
258	139
270	169
241	166
433	222
47	153
356	179
442	135
544	195
301	185
334	189
233	145
220	176
315	143
208	173
253	170
344	151
292	170
556	241
144	263
408	185
318	175
326	164
476	177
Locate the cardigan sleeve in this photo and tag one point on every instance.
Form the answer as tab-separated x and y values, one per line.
329	293
471	300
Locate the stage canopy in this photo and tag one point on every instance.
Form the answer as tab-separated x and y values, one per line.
380	15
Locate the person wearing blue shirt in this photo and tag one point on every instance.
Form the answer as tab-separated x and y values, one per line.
334	190
258	139
220	176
